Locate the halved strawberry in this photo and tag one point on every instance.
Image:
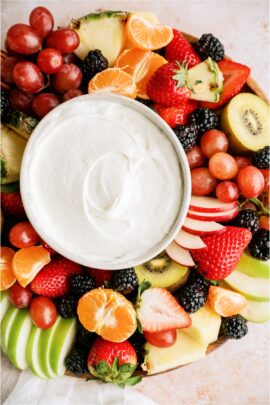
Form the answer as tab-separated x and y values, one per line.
235	76
158	310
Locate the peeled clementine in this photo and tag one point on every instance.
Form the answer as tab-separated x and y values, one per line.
107	313
7	277
226	302
113	80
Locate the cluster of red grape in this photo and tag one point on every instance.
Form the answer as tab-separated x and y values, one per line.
41	64
236	173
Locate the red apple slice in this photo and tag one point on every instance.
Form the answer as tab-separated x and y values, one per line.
189	241
180	255
210	204
202	228
216	216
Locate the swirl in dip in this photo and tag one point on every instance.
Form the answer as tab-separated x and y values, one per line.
104	182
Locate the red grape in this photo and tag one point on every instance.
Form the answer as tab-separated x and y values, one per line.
250	181
68	78
42	21
43	103
28	77
213	141
23	235
264	223
50	60
266	175
65	40
21	101
223	166
227	191
47	247
71	58
203	182
20	296
7	66
242	161
165	338
195	157
71	94
249	206
43	312
21	38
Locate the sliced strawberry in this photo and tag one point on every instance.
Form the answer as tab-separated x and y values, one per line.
235	76
158	310
178	114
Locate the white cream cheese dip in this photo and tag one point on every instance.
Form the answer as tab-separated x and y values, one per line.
101	182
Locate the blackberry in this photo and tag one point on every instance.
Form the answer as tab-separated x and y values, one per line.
76	361
124	281
234	327
259	247
67	306
137	340
204	119
84	338
261	158
194	294
148	103
247	219
187	136
210	46
80	284
5	107
94	63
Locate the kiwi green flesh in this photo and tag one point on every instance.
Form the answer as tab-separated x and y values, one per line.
246	121
162	272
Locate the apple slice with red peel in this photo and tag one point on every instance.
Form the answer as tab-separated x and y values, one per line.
210	204
189	241
216	216
202	228
180	255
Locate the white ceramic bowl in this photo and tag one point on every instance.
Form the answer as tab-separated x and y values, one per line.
30	208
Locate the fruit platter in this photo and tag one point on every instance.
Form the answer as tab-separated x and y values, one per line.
135	197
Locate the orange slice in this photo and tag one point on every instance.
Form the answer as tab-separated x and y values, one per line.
107	313
27	262
141	65
113	80
226	302
7	278
147	35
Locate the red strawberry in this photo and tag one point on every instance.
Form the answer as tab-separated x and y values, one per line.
100	276
222	252
12	204
176	115
53	280
113	362
169	85
158	310
235	76
181	50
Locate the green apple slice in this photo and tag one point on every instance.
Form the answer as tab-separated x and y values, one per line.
61	344
256	311
6	327
4	304
32	352
256	289
253	267
17	342
45	341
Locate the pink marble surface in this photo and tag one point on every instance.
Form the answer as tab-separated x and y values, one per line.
238	373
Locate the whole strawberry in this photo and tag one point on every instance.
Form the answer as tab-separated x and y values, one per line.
12	205
181	50
113	362
53	280
169	85
222	252
102	277
176	115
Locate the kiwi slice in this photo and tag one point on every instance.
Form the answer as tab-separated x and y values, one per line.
163	272
246	121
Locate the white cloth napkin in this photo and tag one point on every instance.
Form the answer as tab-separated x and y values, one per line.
31	390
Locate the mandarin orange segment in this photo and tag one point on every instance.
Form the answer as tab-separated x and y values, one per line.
113	80
107	313
141	65
27	262
147	35
7	277
226	302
